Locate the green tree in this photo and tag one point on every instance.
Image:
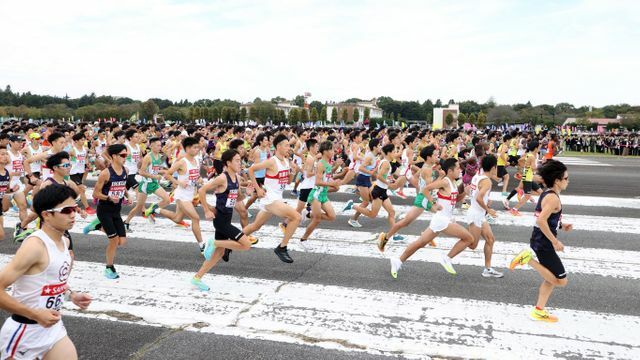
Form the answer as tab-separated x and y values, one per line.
473	119
356	115
172	113
314	115
243	114
449	119
367	112
323	114
502	114
294	116
462	118
253	113
215	113
304	115
482	120
299	100
334	114
345	115
148	109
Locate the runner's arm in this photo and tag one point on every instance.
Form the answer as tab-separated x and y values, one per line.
28	255
97	190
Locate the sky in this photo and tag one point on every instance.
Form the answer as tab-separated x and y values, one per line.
581	52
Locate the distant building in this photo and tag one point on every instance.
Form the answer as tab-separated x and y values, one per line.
601	123
440	114
374	110
285	105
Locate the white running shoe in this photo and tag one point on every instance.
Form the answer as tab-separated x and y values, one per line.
354	223
396	264
500	183
303	216
490	272
505	203
305	245
445	261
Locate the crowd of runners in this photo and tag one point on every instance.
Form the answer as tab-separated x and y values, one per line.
44	172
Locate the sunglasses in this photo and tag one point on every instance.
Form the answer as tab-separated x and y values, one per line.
66	209
64	166
124	156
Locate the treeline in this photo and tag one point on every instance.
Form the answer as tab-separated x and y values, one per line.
91	107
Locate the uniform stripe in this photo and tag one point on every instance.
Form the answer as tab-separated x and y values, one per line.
15	347
13	337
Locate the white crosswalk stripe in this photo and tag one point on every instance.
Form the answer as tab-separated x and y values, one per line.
581	161
373	321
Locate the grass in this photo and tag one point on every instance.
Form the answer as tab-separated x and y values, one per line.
589	154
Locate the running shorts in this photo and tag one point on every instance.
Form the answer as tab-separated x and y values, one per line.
422	202
550	260
379	193
224	229
501	171
363	181
476	217
320	195
111	220
132	183
25	339
440	222
76	178
528	186
148	187
303	194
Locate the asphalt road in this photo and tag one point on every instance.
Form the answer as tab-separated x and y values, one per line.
104	339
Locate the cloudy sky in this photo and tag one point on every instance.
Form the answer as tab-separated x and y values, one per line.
583	52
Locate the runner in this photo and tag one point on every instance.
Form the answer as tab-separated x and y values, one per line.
110	190
39	273
188	170
544	241
16	169
477	215
227	237
79	156
277	177
321	208
527	185
260	153
442	222
308	172
363	181
131	164
5	189
423	200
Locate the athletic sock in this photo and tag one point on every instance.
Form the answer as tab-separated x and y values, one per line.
512	194
111	267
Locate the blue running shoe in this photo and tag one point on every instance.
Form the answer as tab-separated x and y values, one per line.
398	237
91	226
199	284
110	274
348	206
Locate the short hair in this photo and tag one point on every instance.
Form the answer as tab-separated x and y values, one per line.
78	136
388	148
115	149
259	139
449	164
279	138
56	159
533	145
153	139
489	162
373	143
236	143
129	134
118	133
189	141
326	146
551	171
51	196
54	136
427	151
228	155
311	142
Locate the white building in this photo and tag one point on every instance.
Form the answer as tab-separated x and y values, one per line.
374	110
440	114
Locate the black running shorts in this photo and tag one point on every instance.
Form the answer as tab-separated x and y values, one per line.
550	260
76	178
379	193
132	183
224	229
111	220
501	171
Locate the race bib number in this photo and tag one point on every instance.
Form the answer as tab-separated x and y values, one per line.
118	189
135	157
155	169
454	198
231	198
194	176
4	185
52	296
18	166
283	179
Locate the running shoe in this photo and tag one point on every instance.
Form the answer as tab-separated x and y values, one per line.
304	244
515	212
304	216
399	216
396	264
23	235
445	261
401	194
249	214
209	248
518	176
283	254
283	227
490	219
90	210
30	201
348	206
398	237
253	239
500	183
465	206
433	243
127	227
199	284
17	230
202	247
152	218
91	226
225	256
354	223
520	194
490	272
14	206
171	197
505	194
521	259
151	210
110	274
542	315
532	200
294	193
183	224
382	241
505	203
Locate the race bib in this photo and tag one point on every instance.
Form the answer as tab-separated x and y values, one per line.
4	185
454	198
135	157
283	179
18	166
52	296
231	198
154	170
194	176
118	189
